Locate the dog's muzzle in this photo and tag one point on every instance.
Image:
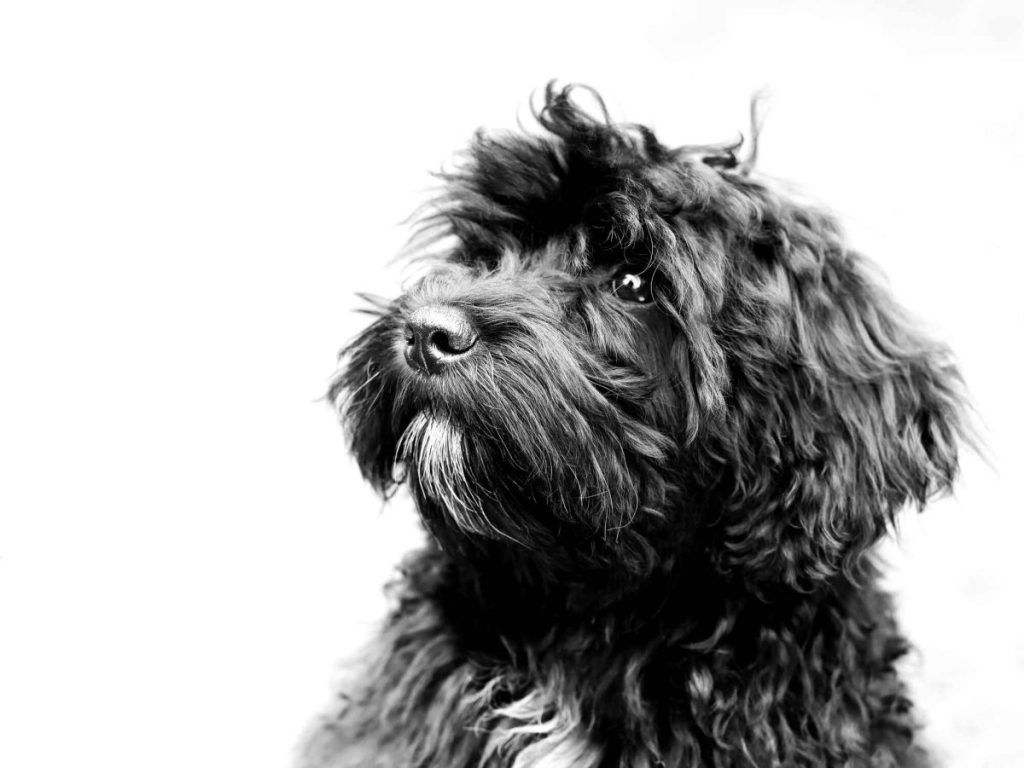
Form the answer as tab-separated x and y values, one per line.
437	336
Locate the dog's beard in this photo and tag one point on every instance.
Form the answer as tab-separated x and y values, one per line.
432	453
517	473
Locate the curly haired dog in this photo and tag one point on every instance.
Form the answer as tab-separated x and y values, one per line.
654	415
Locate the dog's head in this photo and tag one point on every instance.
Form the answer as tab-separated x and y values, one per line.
630	351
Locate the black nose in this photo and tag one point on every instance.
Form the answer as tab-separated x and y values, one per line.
437	336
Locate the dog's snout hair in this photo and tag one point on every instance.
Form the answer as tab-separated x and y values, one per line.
654	415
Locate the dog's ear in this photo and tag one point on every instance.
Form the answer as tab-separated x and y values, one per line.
832	411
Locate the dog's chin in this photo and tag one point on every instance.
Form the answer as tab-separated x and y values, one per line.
447	463
432	451
431	447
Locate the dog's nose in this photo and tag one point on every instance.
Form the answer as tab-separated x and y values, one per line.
437	336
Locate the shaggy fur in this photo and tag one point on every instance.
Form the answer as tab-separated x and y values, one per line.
653	485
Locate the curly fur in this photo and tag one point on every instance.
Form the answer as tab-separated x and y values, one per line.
650	525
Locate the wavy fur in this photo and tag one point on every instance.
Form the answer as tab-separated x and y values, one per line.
650	525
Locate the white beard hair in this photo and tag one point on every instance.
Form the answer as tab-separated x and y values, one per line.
434	448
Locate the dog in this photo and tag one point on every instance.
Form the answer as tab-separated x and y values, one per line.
654	415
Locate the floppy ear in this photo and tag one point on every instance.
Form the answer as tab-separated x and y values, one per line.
837	411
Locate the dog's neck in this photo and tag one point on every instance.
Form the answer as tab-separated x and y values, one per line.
498	593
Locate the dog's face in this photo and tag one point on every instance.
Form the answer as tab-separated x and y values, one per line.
631	352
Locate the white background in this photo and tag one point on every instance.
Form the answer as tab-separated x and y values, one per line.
190	194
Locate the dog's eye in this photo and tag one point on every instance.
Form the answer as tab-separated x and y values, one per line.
631	286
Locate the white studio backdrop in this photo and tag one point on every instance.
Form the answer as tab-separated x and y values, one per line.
190	195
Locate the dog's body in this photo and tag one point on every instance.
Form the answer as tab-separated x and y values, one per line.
654	416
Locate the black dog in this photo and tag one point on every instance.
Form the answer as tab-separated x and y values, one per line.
654	416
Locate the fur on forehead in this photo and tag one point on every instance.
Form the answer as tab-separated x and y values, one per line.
597	192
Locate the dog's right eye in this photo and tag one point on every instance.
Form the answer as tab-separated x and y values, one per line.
631	286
